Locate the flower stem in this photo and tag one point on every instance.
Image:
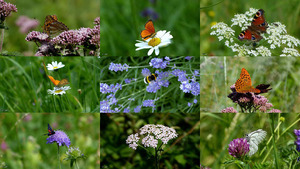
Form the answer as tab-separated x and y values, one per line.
76	165
2	39
58	156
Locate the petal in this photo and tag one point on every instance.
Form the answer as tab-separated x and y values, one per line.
150	51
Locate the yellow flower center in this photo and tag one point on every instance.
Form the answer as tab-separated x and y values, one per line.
58	91
55	67
154	42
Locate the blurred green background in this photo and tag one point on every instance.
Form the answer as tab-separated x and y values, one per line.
217	74
287	12
180	152
25	84
121	24
226	127
74	13
23	144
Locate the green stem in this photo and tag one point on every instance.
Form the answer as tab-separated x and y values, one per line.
2	39
76	165
58	156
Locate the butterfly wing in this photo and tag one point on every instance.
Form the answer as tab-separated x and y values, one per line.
53	27
253	139
250	34
62	83
259	22
244	84
55	82
50	130
149	30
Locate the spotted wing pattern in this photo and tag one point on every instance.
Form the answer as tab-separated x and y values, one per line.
244	84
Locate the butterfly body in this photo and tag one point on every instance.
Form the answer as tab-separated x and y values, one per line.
58	83
149	31
258	26
244	84
253	139
53	27
50	131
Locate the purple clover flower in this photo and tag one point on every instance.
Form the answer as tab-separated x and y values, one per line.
118	67
105	88
60	138
159	63
297	142
6	9
238	148
148	103
137	109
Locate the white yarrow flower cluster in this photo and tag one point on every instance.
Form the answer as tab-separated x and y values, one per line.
152	133
276	37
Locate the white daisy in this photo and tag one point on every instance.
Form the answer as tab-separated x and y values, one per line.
161	39
59	90
55	66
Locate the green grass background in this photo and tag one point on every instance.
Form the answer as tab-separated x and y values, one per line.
121	24
27	148
217	74
25	84
172	99
226	127
287	12
180	152
74	13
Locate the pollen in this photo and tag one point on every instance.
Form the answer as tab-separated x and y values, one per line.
154	42
58	91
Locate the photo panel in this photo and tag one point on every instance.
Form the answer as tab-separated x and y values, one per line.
243	84
238	140
50	28
49	84
36	140
145	84
150	27
147	140
249	28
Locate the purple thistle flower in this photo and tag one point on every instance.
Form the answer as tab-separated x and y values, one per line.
238	148
229	110
148	103
137	109
6	9
118	67
158	63
60	138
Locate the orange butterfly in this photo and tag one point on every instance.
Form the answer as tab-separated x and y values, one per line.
149	31
58	83
53	27
243	84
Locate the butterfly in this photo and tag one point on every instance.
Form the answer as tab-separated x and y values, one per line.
258	26
253	139
149	31
243	84
53	27
58	83
50	131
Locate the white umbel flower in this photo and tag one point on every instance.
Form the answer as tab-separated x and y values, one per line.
161	39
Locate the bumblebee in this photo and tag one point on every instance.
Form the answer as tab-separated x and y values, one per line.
150	78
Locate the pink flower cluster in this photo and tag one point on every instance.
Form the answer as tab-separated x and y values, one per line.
6	9
26	24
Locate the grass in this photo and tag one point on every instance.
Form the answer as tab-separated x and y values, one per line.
219	73
23	135
25	84
121	24
276	151
224	12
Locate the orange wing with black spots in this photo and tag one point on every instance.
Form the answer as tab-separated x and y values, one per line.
58	83
149	30
244	84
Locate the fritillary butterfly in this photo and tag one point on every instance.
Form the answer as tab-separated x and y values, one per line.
58	83
243	84
53	27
